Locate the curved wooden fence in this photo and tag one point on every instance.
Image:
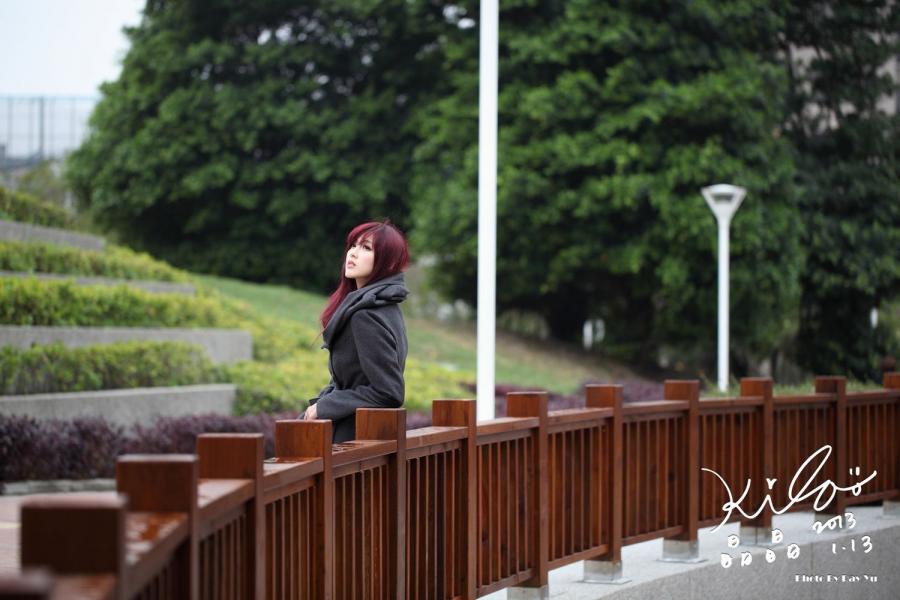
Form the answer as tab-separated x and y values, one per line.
452	511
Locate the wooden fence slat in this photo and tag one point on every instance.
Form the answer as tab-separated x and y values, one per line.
892	504
462	413
73	535
607	567
165	483
534	404
144	542
390	424
240	456
312	439
838	387
758	531
683	546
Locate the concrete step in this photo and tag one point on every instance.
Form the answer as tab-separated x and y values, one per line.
222	346
161	287
125	407
26	232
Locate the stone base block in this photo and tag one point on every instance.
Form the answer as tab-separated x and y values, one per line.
604	571
529	593
683	551
752	535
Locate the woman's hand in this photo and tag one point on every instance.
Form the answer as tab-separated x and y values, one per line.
310	413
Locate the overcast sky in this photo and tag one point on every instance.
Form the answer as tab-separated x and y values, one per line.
62	47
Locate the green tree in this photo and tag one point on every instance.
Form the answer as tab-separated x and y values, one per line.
845	127
612	117
247	138
45	182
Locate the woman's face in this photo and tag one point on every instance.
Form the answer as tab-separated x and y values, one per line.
359	261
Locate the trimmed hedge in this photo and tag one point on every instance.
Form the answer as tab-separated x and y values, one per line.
288	384
25	208
58	303
289	369
86	448
55	368
115	261
261	387
36	302
272	388
274	339
427	382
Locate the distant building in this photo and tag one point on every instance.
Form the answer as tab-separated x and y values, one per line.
889	104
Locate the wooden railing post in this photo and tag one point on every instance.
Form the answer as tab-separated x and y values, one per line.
891	506
312	439
838	387
758	531
684	547
75	536
534	404
165	483
607	568
240	456
390	424
462	413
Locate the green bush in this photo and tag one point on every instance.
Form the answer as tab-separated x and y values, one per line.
58	303
16	206
114	261
274	339
279	387
428	382
55	368
35	302
287	385
289	368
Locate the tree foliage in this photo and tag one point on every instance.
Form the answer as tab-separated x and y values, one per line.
845	127
612	117
44	181
247	138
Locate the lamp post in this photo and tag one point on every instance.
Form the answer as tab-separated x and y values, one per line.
723	200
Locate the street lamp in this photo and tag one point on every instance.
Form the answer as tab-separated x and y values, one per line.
724	200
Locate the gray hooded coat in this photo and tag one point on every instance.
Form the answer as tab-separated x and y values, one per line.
366	338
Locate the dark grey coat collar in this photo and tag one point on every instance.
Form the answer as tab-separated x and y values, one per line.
389	290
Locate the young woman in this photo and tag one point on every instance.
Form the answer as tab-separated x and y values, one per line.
363	329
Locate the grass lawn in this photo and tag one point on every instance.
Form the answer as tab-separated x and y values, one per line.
519	360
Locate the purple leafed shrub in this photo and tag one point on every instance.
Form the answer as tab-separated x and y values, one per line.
53	449
88	447
179	434
638	391
417	419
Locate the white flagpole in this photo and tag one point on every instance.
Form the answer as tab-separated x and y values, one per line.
487	206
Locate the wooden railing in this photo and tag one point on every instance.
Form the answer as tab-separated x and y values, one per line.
456	510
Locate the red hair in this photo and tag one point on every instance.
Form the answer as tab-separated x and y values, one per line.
391	257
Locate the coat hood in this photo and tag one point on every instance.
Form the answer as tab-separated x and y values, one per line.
389	290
